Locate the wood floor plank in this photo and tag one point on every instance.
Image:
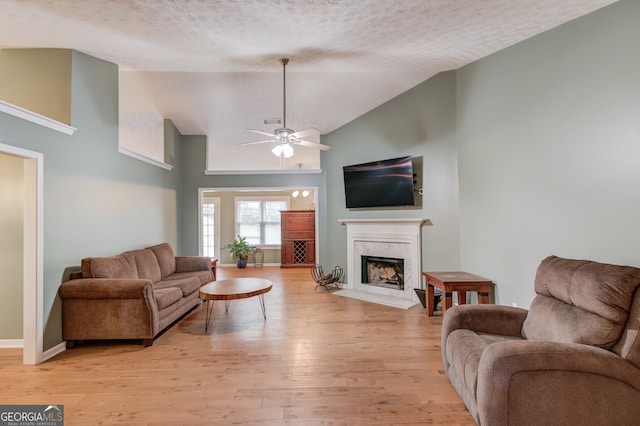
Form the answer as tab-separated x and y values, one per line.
318	359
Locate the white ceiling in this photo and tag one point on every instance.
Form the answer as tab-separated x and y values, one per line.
211	66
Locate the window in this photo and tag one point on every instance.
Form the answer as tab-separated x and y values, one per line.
208	228
258	219
210	231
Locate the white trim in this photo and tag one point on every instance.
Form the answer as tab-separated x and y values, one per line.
25	114
396	238
263	172
201	191
144	158
419	221
33	252
216	223
57	349
11	343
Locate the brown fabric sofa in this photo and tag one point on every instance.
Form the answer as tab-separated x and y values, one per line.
133	295
572	359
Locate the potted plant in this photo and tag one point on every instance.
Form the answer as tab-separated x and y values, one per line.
239	250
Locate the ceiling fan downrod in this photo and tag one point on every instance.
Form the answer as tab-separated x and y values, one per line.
284	62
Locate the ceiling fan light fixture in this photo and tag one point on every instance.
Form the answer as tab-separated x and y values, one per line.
287	150
284	136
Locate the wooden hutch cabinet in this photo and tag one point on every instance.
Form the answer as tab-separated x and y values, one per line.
298	235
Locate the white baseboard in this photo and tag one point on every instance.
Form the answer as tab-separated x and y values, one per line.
57	349
19	344
11	343
249	265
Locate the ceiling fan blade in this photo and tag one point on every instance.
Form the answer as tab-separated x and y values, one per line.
305	132
312	144
257	142
261	132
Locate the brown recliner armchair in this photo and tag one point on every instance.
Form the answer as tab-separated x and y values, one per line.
572	359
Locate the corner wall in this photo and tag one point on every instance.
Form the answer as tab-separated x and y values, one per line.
420	123
549	151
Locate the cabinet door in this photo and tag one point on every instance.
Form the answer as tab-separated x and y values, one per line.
298	225
286	252
311	251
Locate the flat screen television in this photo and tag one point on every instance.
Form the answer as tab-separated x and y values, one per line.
385	183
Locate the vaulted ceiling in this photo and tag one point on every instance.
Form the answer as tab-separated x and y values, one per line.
211	66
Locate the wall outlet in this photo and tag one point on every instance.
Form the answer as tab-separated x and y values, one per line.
514	304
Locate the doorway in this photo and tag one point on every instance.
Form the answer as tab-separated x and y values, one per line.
300	198
32	199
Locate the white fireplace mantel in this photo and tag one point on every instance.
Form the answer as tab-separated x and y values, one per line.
417	221
394	238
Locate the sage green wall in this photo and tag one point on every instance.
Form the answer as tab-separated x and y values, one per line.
96	200
12	198
193	152
421	123
549	151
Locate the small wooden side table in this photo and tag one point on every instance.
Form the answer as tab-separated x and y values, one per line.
448	282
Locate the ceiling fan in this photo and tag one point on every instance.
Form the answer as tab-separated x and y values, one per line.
284	137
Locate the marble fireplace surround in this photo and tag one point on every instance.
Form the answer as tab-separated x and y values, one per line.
392	238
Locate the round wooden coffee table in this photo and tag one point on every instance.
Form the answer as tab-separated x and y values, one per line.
232	289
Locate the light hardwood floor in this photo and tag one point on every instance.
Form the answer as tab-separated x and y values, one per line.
318	359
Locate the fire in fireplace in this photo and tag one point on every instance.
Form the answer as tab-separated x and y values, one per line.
383	272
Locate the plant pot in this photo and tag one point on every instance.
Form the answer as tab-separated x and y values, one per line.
241	263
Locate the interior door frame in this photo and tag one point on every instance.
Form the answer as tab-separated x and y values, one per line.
201	192
216	224
33	253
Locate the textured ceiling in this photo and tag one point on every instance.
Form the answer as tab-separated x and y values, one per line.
211	66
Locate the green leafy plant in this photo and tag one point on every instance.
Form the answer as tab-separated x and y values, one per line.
239	248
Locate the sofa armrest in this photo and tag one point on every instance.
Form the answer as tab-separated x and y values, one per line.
105	308
106	288
493	319
526	379
192	263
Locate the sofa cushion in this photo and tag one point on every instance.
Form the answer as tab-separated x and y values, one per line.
146	264
187	285
116	267
166	259
580	301
463	350
205	277
167	296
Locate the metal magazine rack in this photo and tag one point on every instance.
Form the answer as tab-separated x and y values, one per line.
324	280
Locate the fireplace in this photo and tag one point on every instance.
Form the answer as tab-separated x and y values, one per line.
390	244
384	272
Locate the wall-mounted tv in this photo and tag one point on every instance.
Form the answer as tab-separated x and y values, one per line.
385	183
